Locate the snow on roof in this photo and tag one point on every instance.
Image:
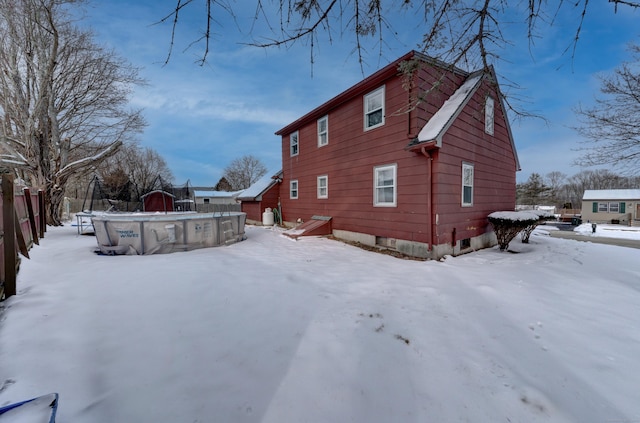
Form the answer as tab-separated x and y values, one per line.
515	215
260	186
217	194
611	194
443	118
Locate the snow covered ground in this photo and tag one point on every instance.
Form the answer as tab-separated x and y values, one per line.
275	330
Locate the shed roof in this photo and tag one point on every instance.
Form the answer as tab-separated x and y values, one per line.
216	194
260	186
611	194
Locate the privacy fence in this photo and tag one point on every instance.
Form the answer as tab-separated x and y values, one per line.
22	224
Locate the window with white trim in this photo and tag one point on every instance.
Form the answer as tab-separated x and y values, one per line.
489	115
323	186
323	131
609	207
374	109
467	184
384	186
293	189
293	142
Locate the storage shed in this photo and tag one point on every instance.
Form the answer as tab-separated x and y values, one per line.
263	194
158	201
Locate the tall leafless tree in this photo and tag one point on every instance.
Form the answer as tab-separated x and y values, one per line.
142	167
455	31
63	105
244	171
612	126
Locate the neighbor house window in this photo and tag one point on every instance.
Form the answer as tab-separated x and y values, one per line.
323	131
206	201
608	207
323	186
374	109
488	116
293	189
467	184
384	186
293	142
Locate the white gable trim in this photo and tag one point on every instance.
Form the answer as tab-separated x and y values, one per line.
442	120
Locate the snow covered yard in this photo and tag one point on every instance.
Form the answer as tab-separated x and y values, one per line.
273	330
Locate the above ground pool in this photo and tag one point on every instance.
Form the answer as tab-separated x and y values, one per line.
159	233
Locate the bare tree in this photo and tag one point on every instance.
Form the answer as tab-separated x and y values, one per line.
612	126
243	172
574	189
63	104
143	168
555	180
458	32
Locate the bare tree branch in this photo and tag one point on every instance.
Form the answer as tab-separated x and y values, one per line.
612	127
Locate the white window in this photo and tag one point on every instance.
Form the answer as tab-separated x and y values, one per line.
323	131
603	207
614	207
374	109
488	116
293	142
323	186
467	184
293	190
384	186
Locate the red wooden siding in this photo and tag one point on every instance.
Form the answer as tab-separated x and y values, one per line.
253	210
352	154
157	201
494	171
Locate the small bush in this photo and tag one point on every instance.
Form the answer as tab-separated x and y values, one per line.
508	224
542	216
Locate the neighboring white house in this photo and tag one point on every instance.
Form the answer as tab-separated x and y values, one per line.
611	206
204	196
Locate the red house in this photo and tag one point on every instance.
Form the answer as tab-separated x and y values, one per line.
413	163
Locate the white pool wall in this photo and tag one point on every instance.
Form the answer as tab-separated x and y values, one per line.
161	233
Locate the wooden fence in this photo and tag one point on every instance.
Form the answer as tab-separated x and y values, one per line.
22	224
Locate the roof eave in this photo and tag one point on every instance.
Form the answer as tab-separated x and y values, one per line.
362	87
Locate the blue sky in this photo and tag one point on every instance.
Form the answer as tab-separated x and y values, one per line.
202	117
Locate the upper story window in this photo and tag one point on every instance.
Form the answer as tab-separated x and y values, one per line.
293	189
488	116
374	109
467	184
323	186
323	131
293	143
384	186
